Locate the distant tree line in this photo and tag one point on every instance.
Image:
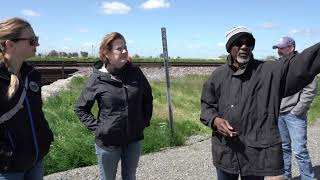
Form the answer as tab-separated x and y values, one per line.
84	54
267	58
54	53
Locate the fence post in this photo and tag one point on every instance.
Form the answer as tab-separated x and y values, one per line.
62	70
166	67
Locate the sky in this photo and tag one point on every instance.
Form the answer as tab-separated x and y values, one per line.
194	28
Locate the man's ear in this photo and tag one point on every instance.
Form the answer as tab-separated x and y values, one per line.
292	48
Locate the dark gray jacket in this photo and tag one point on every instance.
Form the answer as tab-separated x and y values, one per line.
250	100
125	107
299	103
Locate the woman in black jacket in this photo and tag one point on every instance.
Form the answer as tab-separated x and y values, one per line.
124	99
25	136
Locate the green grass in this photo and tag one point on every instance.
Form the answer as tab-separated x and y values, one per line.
314	111
74	144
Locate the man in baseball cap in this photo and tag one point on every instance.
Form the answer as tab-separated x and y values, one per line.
292	121
285	46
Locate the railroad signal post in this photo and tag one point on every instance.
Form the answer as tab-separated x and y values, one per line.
166	67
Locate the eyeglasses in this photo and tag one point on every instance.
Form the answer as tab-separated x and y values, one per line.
120	48
32	40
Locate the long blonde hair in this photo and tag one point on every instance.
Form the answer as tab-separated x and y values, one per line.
11	29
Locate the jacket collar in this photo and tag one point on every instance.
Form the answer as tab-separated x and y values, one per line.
106	76
288	57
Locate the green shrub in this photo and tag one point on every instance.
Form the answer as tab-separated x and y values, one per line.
314	112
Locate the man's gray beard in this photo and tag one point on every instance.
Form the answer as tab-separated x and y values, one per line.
243	60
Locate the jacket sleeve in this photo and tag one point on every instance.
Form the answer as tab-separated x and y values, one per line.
147	101
85	102
306	97
209	103
300	70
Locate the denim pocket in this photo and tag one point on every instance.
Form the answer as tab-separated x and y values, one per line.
297	117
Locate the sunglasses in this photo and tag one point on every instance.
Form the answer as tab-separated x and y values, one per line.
32	40
247	42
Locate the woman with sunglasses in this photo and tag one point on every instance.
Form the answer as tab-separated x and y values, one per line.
25	136
124	99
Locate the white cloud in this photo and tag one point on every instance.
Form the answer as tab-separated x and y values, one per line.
267	25
221	44
293	31
308	32
66	48
83	30
67	39
115	8
28	12
153	4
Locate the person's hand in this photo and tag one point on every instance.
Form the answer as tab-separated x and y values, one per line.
224	127
274	178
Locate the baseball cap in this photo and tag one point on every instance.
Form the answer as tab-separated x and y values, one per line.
284	42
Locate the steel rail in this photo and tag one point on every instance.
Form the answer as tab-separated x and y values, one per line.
141	64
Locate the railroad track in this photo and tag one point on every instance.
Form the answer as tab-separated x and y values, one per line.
49	64
54	70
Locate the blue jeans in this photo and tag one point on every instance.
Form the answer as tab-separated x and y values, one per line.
35	173
227	176
293	131
109	158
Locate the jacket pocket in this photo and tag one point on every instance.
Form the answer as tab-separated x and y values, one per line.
264	151
6	151
111	130
263	138
222	155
